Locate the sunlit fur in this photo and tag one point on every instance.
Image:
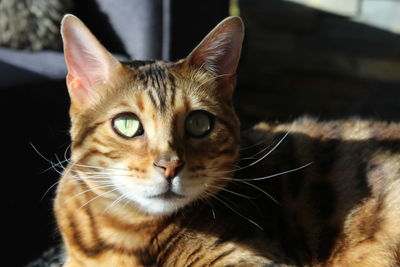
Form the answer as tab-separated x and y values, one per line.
305	193
132	173
117	174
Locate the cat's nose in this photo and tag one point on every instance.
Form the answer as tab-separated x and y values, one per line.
169	168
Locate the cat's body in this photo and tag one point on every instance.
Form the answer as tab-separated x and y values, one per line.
160	188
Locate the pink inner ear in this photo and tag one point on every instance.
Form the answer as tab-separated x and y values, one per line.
230	59
88	62
77	90
219	52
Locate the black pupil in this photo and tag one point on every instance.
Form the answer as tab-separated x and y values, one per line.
199	124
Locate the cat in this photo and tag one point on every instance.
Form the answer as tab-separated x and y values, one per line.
160	174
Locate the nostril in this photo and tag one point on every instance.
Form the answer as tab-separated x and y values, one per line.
160	168
179	168
158	164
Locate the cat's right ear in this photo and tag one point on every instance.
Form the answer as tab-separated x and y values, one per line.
89	64
219	53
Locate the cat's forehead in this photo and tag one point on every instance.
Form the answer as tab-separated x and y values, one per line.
156	80
166	84
143	65
152	74
155	73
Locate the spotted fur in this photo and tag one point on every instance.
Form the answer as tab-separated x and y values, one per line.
306	193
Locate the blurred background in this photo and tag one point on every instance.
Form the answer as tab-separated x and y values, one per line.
327	58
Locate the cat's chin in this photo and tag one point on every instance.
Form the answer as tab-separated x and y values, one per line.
159	196
163	204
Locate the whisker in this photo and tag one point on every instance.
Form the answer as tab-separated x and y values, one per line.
92	179
247	183
115	202
221	172
55	165
61	163
101	168
258	178
46	159
279	173
40	154
261	190
95	177
209	203
248	158
95	181
57	159
227	190
66	151
89	190
102	177
238	168
259	152
96	197
253	145
266	154
100	173
49	189
261	178
127	200
229	207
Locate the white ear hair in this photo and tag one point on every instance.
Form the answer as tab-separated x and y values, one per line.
89	64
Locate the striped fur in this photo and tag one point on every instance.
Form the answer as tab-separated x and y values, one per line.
327	195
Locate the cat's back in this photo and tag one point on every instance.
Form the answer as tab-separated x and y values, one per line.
344	207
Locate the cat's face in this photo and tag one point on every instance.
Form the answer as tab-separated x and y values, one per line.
159	135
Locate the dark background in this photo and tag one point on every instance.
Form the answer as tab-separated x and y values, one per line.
289	68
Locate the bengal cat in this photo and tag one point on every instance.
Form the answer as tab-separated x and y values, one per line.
159	174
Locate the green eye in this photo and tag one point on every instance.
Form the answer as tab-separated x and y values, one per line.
199	123
127	125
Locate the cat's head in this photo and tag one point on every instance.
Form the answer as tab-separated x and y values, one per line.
156	134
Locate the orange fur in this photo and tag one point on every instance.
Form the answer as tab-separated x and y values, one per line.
341	210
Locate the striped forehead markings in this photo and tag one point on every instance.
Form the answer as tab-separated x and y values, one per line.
160	86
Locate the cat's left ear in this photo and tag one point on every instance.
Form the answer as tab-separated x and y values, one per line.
89	64
219	53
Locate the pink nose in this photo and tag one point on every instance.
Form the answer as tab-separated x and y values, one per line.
169	168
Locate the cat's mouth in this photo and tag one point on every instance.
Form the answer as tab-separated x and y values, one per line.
168	195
